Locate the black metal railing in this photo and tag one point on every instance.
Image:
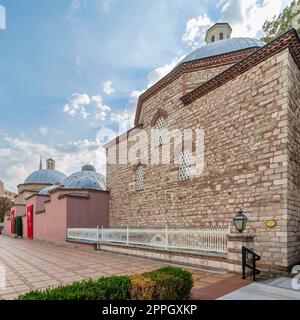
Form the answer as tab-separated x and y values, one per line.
249	259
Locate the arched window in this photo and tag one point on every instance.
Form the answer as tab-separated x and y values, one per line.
159	129
140	177
185	163
213	39
221	36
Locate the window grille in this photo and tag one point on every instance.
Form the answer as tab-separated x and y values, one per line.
185	161
140	178
159	130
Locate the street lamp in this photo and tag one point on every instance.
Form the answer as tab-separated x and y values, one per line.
240	221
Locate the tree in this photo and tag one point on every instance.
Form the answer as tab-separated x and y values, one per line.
5	206
289	18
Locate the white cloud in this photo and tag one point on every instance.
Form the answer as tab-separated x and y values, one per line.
103	109
108	88
248	17
125	119
196	29
153	77
162	71
134	96
77	105
245	17
43	131
80	103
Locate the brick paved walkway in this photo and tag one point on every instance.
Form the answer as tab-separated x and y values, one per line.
33	265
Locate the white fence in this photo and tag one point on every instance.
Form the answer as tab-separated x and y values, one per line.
210	239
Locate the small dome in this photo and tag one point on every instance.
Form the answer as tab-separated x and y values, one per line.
222	47
87	178
45	191
46	176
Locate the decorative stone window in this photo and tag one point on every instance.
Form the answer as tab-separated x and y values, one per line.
221	36
213	39
185	163
159	130
140	177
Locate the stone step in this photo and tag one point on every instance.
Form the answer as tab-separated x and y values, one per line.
262	291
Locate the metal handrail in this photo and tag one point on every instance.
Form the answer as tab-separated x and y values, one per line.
246	252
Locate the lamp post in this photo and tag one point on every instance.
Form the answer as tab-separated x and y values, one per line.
240	221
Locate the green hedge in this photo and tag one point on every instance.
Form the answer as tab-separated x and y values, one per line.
111	288
171	283
18	226
167	284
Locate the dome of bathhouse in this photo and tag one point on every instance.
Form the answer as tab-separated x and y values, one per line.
87	178
46	176
46	191
223	47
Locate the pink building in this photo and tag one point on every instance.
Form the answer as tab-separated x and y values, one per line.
82	202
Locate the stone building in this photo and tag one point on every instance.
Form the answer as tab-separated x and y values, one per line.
245	96
39	180
79	201
5	193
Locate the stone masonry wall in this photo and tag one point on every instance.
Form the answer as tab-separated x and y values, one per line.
245	126
293	227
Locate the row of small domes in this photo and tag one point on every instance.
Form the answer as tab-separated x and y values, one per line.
87	178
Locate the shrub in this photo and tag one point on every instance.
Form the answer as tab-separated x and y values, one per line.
142	288
111	288
163	284
18	227
186	277
171	283
115	287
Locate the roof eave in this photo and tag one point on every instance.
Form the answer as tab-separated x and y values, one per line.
180	68
289	39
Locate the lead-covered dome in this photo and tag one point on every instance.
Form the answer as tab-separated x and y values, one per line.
46	176
223	47
87	178
46	191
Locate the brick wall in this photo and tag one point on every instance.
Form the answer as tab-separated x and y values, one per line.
293	226
246	137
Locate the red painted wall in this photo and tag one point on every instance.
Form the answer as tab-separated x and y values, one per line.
88	213
63	209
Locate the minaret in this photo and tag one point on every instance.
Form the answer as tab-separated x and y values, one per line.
1	189
41	164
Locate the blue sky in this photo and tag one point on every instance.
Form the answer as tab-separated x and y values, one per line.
71	67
